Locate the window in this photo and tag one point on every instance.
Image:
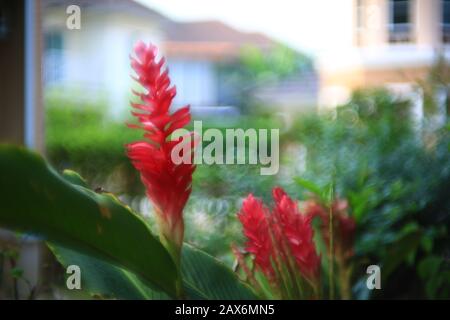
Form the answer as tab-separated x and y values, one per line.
53	57
359	21
446	21
359	14
53	41
399	21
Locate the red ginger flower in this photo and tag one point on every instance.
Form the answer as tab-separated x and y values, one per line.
254	219
298	232
168	185
275	239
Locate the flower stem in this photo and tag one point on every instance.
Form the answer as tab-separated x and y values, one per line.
175	252
331	245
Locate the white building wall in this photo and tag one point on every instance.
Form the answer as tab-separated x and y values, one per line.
376	52
95	63
196	82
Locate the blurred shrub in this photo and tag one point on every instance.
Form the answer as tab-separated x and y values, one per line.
397	186
79	136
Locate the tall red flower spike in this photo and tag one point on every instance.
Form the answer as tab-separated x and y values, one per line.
298	232
253	217
168	185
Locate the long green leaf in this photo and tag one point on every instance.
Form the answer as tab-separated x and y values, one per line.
204	277
104	279
35	199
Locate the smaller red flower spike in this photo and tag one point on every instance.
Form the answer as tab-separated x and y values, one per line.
168	185
280	237
253	216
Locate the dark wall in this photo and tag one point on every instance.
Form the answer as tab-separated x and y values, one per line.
12	71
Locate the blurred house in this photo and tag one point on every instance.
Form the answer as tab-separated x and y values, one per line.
195	49
395	43
93	62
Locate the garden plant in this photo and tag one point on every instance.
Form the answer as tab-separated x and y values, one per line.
311	238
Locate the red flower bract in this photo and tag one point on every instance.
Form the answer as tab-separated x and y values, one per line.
168	185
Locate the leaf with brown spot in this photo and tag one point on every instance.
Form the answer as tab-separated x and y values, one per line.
105	213
72	217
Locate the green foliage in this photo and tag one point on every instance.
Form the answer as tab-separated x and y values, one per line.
438	79
80	137
396	184
279	62
322	194
35	199
118	255
436	276
256	67
204	277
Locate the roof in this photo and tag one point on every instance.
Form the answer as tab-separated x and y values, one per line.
212	39
213	31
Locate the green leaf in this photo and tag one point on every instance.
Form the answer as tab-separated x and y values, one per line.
104	279
205	277
74	178
362	201
400	251
433	274
35	199
16	273
313	188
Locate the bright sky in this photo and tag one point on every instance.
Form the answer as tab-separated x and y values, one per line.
311	25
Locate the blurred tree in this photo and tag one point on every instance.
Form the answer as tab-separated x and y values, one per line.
397	187
438	80
255	68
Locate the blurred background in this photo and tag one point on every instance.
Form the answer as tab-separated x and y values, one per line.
358	88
